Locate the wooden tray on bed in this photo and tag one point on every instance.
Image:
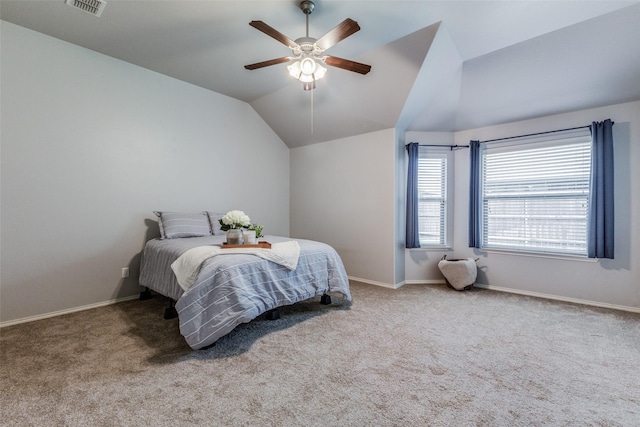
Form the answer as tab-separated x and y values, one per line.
263	245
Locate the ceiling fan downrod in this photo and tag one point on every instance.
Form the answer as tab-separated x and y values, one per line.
307	7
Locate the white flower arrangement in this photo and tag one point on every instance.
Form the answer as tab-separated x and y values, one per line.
234	219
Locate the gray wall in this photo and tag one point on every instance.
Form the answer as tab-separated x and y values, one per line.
90	147
342	193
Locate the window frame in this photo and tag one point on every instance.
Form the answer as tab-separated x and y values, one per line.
446	217
524	144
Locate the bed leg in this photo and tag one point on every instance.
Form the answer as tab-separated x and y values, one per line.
170	312
273	314
146	294
325	299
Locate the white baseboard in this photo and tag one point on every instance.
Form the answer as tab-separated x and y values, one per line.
425	282
398	285
67	311
559	298
373	282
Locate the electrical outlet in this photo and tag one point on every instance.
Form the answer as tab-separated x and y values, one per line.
125	272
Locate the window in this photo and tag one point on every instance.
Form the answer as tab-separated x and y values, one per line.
535	193
432	196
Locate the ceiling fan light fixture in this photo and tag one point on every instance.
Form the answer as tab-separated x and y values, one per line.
294	69
319	71
308	66
307	70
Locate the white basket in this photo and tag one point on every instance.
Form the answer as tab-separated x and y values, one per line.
459	273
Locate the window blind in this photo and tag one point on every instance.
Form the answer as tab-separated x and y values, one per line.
536	195
432	196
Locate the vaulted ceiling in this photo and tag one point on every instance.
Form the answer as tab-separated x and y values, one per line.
436	65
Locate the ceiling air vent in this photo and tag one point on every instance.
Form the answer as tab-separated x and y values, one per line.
94	7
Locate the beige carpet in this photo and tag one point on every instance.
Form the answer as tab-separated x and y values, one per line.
417	356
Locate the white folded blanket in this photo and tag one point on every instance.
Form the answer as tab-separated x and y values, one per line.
187	266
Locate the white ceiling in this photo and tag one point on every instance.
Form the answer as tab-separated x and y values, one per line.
436	65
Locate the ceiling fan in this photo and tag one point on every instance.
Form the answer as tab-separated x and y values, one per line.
308	53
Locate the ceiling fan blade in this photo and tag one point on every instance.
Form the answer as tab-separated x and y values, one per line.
340	32
267	63
272	32
346	64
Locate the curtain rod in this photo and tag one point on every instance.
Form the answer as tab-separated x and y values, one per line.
539	133
451	147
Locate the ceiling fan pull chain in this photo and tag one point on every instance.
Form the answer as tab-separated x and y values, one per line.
311	111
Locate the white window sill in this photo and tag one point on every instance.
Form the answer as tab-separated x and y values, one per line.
540	255
431	248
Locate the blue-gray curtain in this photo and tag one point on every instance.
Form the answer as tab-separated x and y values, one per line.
600	240
474	195
413	236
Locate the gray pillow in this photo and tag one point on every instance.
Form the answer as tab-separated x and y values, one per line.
177	224
214	221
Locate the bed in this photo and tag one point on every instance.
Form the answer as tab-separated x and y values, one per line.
228	289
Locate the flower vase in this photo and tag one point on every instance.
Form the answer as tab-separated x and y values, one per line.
234	236
249	237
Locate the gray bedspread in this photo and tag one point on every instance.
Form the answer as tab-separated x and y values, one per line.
234	289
